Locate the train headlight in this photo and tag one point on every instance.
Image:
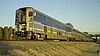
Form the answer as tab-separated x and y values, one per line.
34	13
22	31
30	29
23	24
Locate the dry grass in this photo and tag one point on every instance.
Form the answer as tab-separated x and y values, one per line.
47	48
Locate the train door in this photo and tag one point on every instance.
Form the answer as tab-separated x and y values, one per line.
45	29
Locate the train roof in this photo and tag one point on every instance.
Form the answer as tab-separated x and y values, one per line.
46	15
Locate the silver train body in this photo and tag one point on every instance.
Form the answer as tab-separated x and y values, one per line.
33	24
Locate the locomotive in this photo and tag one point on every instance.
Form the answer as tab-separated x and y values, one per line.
33	24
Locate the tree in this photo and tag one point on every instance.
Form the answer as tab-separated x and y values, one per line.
85	32
10	33
92	35
96	35
69	24
5	32
1	30
13	34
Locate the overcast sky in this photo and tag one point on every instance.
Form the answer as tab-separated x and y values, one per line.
83	14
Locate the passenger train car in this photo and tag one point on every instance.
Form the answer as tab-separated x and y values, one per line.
33	24
80	36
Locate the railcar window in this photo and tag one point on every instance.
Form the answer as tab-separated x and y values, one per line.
24	12
23	18
17	13
39	15
30	13
16	19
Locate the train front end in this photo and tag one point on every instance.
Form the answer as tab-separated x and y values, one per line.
24	17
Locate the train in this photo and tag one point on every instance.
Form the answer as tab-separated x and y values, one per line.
35	25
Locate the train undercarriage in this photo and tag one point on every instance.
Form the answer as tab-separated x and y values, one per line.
29	35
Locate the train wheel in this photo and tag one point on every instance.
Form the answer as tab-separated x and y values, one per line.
32	37
73	39
36	36
67	39
45	37
18	37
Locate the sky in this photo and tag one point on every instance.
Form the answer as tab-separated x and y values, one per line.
83	14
